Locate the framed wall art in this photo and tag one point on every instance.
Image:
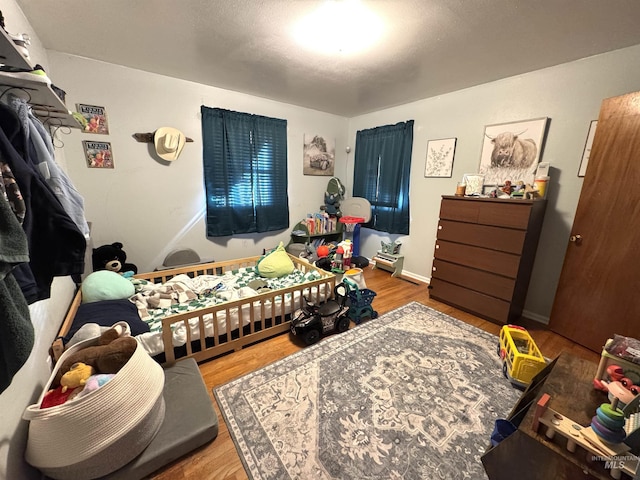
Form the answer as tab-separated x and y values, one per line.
474	184
511	151
587	148
96	118
98	154
318	155
440	155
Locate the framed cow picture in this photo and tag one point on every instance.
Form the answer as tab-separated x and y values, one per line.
511	151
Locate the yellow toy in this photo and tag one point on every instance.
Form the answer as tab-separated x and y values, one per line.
76	377
521	359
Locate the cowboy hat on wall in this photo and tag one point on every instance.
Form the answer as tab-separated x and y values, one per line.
169	143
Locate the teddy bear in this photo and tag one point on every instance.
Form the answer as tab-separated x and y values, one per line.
110	354
112	257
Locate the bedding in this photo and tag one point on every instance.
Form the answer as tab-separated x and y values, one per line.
105	313
183	294
179	306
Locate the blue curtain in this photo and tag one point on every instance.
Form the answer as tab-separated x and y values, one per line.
245	172
382	173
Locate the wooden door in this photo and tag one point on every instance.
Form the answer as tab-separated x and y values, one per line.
599	290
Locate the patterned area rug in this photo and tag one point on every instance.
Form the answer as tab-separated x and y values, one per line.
411	395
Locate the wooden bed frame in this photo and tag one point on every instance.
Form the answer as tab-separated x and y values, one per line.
319	291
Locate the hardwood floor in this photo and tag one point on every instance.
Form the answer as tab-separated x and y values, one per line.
219	459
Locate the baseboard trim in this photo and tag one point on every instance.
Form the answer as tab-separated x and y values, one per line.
536	317
416	277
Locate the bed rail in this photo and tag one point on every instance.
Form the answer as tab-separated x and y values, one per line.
263	315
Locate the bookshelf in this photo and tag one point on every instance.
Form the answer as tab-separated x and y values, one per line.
301	234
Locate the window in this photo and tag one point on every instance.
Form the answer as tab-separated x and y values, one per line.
245	172
382	173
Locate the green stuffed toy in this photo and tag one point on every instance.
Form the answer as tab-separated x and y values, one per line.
276	263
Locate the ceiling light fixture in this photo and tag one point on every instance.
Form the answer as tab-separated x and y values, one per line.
339	26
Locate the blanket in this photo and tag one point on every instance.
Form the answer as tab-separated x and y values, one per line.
184	294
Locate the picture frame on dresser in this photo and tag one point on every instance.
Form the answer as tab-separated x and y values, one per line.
512	150
474	183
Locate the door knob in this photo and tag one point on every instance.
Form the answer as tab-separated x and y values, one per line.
575	238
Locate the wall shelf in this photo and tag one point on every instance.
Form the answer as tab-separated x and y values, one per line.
47	106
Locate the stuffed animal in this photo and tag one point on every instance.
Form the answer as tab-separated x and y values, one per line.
109	356
76	377
530	192
94	382
331	203
56	397
113	258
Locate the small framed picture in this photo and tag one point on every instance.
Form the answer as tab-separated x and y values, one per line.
474	183
587	148
319	154
440	154
96	118
98	154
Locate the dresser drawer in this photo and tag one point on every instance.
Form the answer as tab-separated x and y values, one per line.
478	280
469	300
500	263
496	238
506	213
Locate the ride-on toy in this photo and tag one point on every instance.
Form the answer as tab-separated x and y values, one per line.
312	321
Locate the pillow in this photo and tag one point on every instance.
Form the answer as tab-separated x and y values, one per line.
105	313
106	285
275	264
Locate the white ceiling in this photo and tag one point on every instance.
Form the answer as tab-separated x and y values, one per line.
430	47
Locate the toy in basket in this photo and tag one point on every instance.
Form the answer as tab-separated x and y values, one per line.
359	301
619	361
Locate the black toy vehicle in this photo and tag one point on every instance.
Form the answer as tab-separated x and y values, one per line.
313	321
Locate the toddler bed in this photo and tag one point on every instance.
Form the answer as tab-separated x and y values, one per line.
225	315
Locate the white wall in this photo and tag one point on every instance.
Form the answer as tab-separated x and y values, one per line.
154	207
569	94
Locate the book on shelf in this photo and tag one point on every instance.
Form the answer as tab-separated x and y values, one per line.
320	223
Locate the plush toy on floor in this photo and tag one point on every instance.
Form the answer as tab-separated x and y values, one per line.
112	257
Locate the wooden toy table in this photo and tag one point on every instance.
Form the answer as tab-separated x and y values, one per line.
528	454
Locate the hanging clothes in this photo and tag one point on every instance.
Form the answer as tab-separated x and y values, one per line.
11	191
40	150
16	341
56	245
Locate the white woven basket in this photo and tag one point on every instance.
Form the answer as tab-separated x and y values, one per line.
96	434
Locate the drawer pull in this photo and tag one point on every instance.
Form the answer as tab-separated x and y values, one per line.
433	269
437	246
439	227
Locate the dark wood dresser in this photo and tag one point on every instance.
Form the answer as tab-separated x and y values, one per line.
484	254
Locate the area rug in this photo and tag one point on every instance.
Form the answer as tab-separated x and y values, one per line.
413	394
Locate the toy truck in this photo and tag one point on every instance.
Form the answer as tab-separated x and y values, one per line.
521	359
